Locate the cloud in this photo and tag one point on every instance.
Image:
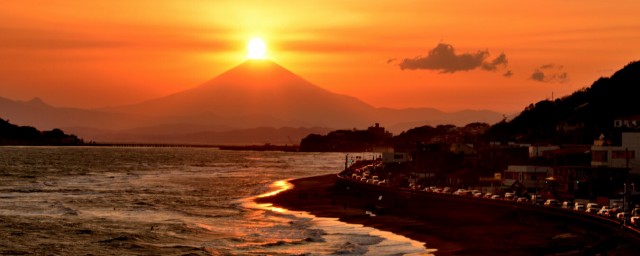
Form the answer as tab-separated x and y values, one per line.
501	60
508	73
547	66
444	58
550	73
537	75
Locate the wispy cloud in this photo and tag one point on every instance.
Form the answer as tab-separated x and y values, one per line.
550	73
445	59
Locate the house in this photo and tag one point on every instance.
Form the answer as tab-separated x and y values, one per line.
395	157
530	176
537	150
603	154
460	148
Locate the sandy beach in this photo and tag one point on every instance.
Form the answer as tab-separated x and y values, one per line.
454	232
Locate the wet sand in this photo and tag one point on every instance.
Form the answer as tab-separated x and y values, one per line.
504	231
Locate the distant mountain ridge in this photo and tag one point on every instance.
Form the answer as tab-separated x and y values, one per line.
256	93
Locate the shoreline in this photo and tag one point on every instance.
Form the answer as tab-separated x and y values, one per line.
450	232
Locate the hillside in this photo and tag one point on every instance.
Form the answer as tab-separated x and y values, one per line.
11	134
579	117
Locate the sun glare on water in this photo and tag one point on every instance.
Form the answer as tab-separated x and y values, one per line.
257	49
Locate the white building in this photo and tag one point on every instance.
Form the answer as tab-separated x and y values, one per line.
394	157
623	156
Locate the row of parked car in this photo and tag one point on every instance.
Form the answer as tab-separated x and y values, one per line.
594	208
473	193
364	174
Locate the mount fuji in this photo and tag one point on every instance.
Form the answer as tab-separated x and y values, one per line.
249	101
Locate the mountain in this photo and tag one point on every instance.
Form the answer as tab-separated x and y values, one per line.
256	93
263	93
44	116
405	119
580	117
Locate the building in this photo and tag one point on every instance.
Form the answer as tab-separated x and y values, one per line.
460	148
538	150
395	157
378	131
530	176
603	154
586	182
627	122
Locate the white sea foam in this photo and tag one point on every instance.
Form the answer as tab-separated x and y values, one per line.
334	237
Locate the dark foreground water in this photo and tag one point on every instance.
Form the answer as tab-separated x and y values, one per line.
168	201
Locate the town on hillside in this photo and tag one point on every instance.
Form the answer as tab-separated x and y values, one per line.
578	148
447	158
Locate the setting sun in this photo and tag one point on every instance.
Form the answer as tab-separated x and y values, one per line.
257	49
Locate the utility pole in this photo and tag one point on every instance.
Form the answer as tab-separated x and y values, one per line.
346	161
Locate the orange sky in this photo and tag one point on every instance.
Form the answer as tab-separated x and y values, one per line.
105	53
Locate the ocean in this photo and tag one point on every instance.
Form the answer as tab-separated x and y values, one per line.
169	201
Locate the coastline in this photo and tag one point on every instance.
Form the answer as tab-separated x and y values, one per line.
510	232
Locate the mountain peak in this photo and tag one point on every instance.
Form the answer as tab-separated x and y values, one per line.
37	102
257	67
256	75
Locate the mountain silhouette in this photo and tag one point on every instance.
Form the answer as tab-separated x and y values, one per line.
258	92
263	93
581	117
254	94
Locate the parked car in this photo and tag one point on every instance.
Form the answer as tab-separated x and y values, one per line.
430	188
446	190
522	200
622	215
495	197
537	199
635	221
615	210
593	205
567	205
487	195
551	203
609	214
509	196
603	210
477	194
579	207
591	210
460	192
